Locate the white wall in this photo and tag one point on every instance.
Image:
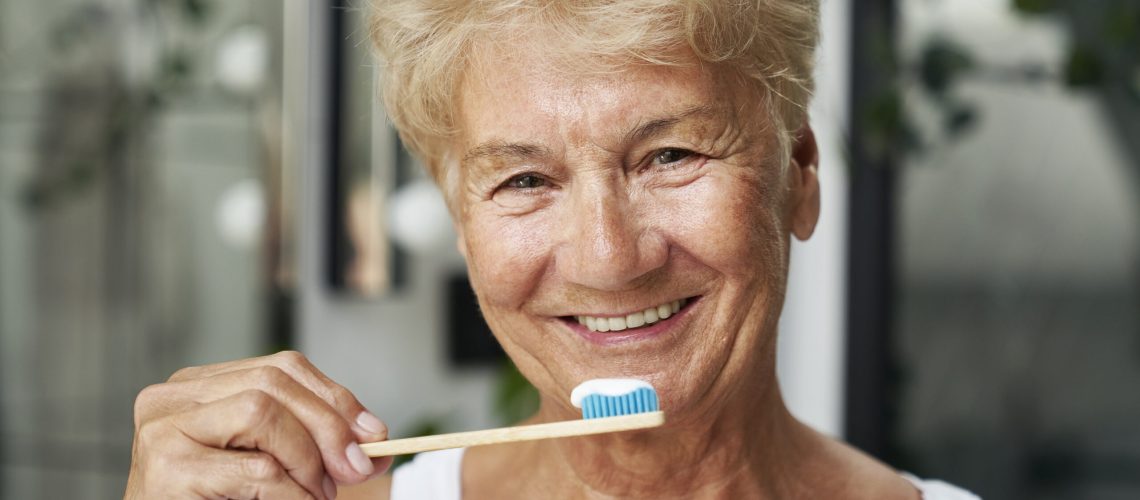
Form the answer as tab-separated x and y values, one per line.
812	329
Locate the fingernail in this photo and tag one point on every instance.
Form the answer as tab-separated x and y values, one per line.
370	423
358	459
330	488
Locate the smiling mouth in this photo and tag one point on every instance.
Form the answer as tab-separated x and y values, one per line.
632	321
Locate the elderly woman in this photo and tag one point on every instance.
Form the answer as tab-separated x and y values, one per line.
625	178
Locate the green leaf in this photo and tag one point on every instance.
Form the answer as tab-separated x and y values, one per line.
1122	25
515	397
942	63
960	118
1083	67
80	176
35	196
176	65
1035	6
197	12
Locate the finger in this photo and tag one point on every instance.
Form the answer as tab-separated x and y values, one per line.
254	420
156	401
381	465
334	437
194	372
248	475
364	424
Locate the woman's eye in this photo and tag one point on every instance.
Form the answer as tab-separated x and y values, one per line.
525	181
668	156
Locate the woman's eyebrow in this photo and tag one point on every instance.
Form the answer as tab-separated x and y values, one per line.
657	126
501	149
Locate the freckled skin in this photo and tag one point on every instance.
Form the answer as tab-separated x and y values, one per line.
601	225
606	237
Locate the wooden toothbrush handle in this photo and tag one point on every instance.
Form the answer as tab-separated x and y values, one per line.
511	434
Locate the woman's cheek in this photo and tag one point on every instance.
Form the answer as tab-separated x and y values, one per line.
727	223
508	252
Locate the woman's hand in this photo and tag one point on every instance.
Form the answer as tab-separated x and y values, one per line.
269	427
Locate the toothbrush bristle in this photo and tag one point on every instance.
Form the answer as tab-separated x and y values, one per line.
640	400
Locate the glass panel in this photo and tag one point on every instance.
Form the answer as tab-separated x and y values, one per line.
1019	299
366	164
140	212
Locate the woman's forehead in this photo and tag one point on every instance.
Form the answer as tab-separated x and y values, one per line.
533	94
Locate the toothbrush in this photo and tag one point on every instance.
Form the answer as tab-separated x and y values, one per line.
608	405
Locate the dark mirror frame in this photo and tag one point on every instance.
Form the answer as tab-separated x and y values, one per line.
354	162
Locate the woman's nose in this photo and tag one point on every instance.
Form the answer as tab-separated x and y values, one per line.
609	243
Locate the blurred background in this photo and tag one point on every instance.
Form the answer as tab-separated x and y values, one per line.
185	182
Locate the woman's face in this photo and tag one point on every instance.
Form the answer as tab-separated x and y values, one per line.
604	199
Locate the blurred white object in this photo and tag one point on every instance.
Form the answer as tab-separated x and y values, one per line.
243	59
419	219
241	214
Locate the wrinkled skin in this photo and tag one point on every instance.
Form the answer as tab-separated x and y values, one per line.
269	427
606	194
615	221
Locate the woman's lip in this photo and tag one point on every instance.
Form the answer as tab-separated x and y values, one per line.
633	334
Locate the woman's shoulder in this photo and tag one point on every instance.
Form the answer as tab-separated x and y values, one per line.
856	474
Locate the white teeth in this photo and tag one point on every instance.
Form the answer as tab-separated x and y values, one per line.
602	325
651	315
617	324
633	320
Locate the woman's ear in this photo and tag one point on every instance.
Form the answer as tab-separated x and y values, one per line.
803	176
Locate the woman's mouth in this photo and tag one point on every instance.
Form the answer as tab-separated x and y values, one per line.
633	320
642	325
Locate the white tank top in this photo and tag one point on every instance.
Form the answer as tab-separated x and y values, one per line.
435	475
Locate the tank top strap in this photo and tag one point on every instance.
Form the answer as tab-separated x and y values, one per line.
938	490
433	475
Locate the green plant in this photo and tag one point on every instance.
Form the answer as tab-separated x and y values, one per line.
1103	54
515	397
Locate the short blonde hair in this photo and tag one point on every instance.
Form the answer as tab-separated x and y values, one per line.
424	45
